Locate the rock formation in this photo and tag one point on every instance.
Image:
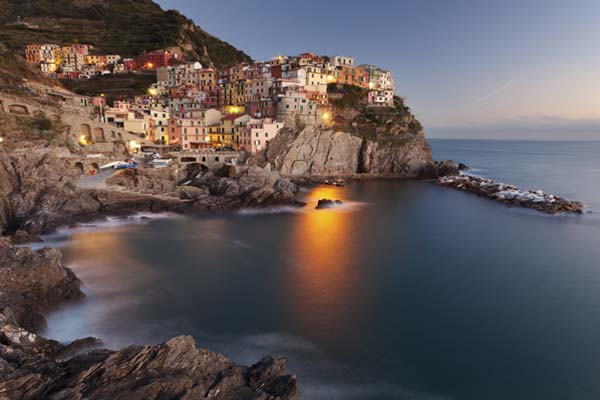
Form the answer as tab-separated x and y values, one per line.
31	367
510	194
314	151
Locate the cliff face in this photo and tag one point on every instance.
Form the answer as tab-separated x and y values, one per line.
357	139
125	27
313	151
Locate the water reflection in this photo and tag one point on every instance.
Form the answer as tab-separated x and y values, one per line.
324	288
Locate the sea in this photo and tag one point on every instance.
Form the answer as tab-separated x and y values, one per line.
407	291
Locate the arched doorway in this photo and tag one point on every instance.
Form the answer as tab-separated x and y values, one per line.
86	133
79	167
98	135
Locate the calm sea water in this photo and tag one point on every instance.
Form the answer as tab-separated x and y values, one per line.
409	291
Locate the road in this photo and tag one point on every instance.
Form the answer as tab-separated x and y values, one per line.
97	181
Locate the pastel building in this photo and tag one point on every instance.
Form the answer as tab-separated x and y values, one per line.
258	133
382	98
341	61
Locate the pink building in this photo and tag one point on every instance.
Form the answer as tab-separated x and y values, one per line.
257	134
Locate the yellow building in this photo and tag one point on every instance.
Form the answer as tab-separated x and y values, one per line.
232	127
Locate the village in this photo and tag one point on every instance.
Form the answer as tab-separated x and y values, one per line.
194	107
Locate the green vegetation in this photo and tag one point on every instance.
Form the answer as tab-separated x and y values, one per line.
41	127
347	96
353	114
126	27
113	86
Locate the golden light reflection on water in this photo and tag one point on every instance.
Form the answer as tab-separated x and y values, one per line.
323	286
100	252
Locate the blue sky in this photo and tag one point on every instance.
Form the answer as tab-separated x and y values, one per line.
513	69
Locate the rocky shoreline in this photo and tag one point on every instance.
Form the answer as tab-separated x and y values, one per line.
33	283
511	195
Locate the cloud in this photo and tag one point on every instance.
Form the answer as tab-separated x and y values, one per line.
498	91
528	127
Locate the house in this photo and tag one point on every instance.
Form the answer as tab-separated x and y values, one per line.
233	126
193	129
379	79
154	59
341	61
295	109
349	75
140	125
33	54
382	98
160	117
257	134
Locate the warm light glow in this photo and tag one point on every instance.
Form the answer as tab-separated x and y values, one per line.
133	145
1	139
330	78
152	92
82	139
149	65
321	280
326	116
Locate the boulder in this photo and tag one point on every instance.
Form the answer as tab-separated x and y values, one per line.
328	203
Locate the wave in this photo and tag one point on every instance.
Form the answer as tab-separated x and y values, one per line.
268	210
60	236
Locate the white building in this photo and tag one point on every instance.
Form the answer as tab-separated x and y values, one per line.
341	61
382	98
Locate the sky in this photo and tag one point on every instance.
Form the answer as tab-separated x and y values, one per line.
514	69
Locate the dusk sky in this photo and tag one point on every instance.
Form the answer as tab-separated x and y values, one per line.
517	69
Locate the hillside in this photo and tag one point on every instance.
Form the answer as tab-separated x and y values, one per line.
126	27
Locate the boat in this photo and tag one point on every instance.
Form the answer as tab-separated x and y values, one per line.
125	165
334	182
161	162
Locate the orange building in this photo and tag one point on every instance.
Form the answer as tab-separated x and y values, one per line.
356	76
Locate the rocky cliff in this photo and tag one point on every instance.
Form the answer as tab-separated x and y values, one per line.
314	151
355	139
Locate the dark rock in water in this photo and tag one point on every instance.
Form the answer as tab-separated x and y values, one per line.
446	168
463	167
33	283
509	194
328	203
